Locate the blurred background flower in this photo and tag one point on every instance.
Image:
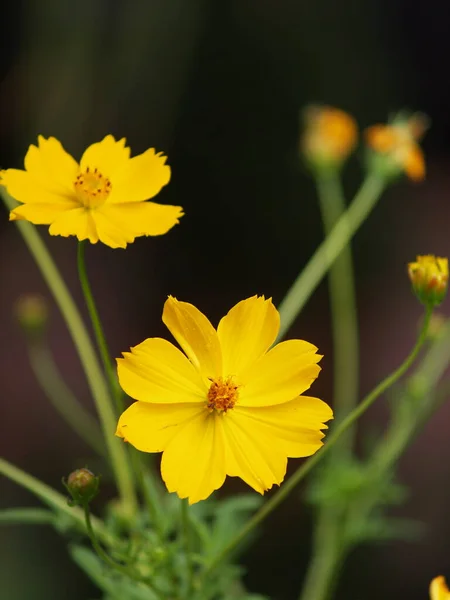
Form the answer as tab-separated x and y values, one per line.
219	87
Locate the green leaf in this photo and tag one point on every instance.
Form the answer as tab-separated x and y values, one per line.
26	516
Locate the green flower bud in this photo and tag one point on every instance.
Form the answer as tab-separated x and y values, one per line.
83	486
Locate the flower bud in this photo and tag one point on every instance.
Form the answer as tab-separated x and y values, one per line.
429	278
83	486
394	148
32	314
330	136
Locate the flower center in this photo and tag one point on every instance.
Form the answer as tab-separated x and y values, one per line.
92	188
222	394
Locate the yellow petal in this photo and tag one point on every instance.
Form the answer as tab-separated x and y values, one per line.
150	427
196	336
26	188
156	371
414	163
247	332
77	222
285	372
120	224
293	427
193	463
142	178
51	165
250	453
108	156
439	589
40	214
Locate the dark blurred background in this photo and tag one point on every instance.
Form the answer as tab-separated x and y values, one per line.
218	86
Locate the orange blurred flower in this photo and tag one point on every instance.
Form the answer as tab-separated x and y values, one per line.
397	142
330	136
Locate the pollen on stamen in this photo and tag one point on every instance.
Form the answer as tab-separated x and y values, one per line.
222	394
92	188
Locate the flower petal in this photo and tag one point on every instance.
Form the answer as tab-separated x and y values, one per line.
196	336
108	156
40	214
439	589
156	371
119	224
77	222
414	163
294	427
142	178
382	138
247	332
150	427
193	463
250	453
27	189
285	372
51	165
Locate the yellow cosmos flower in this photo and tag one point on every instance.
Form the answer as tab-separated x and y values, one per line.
330	136
429	278
439	589
102	198
229	405
398	143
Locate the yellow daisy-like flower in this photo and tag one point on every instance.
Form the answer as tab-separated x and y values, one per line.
229	406
429	278
398	143
439	589
330	135
101	198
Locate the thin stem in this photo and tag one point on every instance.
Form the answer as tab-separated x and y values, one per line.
340	429
186	531
329	250
26	516
62	398
98	328
88	358
343	302
327	553
51	498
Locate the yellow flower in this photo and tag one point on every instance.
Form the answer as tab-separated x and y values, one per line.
397	142
232	407
330	136
102	198
439	589
429	278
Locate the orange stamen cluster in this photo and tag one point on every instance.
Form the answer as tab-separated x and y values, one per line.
222	394
92	188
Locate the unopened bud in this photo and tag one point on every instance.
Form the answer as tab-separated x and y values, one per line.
429	278
330	136
32	314
83	486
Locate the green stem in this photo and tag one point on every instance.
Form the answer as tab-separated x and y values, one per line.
186	531
98	328
343	302
51	498
333	438
329	250
62	397
26	516
327	553
88	358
